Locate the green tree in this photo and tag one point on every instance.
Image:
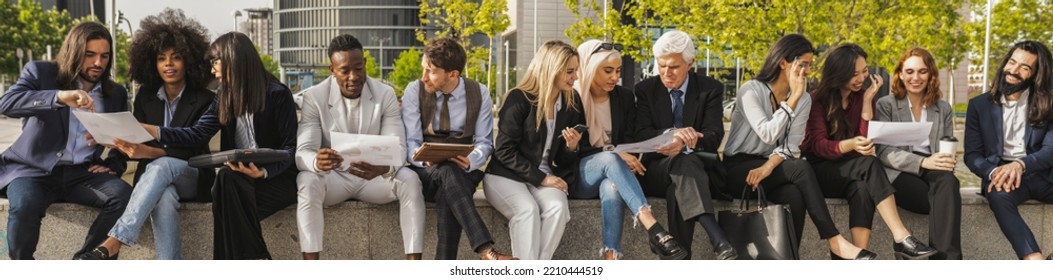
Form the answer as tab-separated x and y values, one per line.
269	63
372	69
122	45
747	29
28	26
1012	21
407	69
460	19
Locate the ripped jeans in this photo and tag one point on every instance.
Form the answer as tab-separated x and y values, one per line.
606	174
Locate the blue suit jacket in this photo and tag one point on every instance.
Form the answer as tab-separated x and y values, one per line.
45	127
984	136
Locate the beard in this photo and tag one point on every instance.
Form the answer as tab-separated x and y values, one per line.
87	77
1008	89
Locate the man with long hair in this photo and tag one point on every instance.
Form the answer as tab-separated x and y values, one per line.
1008	140
54	158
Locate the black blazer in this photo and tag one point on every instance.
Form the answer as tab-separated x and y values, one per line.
519	146
150	109
275	128
702	111
623	116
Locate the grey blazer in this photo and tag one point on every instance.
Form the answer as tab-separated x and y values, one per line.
900	158
323	110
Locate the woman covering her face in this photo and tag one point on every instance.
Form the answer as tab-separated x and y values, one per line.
767	128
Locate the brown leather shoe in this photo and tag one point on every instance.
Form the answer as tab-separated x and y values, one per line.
414	256
493	254
609	254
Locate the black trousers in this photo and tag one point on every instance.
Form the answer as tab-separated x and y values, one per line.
684	183
240	203
936	193
859	179
451	189
791	183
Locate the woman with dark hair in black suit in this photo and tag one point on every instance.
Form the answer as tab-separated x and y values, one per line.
254	110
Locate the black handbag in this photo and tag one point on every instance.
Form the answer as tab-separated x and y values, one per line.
765	232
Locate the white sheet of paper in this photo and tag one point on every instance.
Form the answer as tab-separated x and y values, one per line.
382	150
899	133
104	127
647	146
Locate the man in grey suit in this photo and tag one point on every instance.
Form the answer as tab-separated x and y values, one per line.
350	102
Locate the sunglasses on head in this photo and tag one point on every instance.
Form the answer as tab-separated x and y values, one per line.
609	46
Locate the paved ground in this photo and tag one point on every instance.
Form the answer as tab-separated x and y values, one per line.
9	131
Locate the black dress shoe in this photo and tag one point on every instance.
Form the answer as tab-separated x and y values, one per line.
863	255
99	253
726	252
912	249
664	245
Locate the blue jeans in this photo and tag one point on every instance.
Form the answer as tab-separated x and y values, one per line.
29	198
606	175
157	194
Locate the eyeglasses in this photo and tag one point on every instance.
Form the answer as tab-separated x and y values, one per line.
609	46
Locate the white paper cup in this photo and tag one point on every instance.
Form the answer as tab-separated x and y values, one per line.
948	145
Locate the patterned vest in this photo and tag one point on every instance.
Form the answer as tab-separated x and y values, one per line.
473	93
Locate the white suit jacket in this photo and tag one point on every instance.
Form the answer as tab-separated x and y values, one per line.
323	110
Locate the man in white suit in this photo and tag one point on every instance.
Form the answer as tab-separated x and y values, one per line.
350	102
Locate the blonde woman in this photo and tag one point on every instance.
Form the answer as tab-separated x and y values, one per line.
609	110
536	154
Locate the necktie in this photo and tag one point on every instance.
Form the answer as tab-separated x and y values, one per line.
678	108
444	114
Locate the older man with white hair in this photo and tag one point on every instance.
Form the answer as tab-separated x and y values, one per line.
688	105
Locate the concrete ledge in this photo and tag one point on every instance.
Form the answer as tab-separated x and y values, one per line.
358	230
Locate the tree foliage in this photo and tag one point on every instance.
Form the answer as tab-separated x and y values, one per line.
269	63
407	69
460	20
25	24
740	29
372	70
1012	21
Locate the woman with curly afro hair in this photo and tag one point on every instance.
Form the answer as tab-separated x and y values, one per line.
167	57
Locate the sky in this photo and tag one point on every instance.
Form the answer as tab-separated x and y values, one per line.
213	14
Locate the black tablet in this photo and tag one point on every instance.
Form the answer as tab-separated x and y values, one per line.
257	156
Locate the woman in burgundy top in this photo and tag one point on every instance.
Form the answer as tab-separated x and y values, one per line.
836	145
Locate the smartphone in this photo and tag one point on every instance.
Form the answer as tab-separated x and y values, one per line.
581	128
871	70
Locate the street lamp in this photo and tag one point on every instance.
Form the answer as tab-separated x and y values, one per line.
18	53
120	18
236	14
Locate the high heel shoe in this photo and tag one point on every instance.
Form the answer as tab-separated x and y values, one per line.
863	255
912	249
